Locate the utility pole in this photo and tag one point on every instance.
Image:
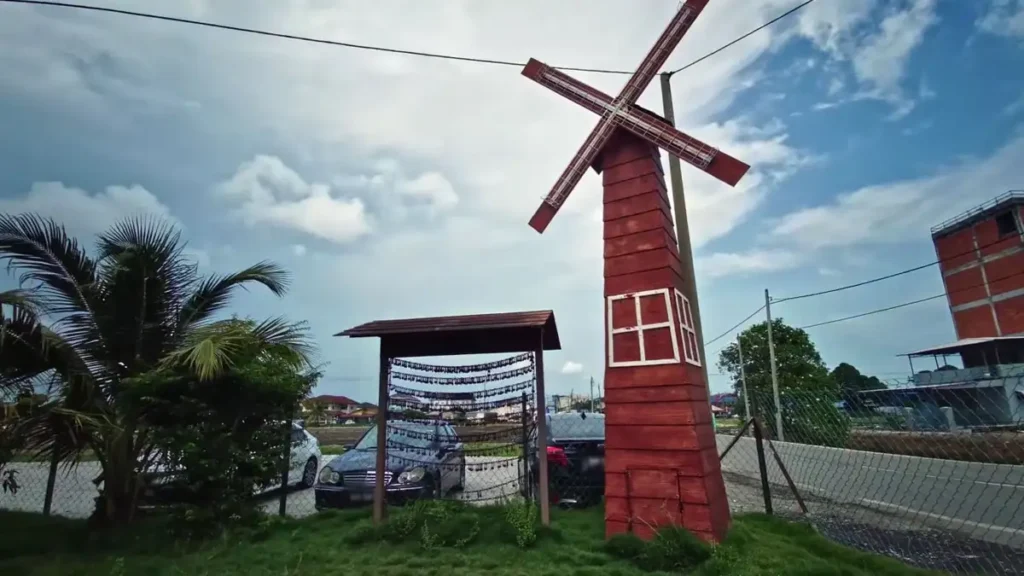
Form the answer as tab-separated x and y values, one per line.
743	378
683	231
591	393
775	376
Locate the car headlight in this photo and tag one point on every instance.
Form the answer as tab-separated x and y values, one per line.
328	476
412	475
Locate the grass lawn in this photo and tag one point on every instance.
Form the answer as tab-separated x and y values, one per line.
346	543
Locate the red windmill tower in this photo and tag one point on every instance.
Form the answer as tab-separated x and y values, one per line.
661	461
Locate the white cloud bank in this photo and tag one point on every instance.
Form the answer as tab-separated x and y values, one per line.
571	367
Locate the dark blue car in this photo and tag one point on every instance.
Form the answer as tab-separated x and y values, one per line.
425	460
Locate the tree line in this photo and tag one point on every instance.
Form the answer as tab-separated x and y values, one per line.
809	392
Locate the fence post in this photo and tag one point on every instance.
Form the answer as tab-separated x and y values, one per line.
775	375
286	461
51	480
763	466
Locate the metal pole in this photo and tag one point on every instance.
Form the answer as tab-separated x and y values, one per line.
743	379
591	393
766	490
526	452
775	376
51	480
286	458
683	233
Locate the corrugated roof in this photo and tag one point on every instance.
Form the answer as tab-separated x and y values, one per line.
469	334
961	344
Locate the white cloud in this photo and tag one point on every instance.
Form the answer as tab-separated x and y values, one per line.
199	256
721	264
878	56
881	61
299	249
272	193
571	367
1003	18
898	211
83	213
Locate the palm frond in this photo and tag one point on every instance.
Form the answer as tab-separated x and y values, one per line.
145	281
62	276
51	428
29	350
214	293
211	350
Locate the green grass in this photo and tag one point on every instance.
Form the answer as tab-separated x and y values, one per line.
332	449
347	543
503	450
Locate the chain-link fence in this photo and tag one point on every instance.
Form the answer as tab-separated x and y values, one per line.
934	477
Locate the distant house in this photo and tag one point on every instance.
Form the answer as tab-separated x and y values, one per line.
338	408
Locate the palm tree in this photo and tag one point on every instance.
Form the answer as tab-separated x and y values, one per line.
318	411
90	323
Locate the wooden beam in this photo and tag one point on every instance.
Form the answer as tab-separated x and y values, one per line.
542	435
379	494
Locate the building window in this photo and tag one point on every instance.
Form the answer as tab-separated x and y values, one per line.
641	331
1006	224
686	330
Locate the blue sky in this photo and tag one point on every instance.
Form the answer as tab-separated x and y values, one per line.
392	186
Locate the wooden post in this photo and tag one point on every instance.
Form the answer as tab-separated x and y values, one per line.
379	494
766	490
542	435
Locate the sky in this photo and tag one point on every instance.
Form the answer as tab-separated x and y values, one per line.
394	186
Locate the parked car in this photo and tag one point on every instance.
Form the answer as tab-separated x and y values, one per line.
575	457
305	461
425	460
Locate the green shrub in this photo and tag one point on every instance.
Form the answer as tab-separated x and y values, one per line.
625	546
522	519
672	549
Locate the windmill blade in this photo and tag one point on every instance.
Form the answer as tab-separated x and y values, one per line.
648	126
561	83
681	145
661	50
573	173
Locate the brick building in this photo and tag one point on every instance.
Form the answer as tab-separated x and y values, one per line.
982	263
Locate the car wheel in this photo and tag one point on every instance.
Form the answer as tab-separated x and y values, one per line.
308	474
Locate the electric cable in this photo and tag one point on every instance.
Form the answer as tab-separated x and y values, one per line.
911	303
420	53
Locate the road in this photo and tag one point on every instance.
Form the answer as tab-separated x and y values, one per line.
983	501
74	492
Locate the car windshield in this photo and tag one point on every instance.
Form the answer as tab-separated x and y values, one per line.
403	433
576	427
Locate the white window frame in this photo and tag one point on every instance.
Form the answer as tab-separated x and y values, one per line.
641	327
686	331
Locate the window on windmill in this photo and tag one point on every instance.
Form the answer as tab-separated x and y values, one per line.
640	329
1006	224
691	352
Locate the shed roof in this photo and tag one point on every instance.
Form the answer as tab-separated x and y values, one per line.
961	345
471	334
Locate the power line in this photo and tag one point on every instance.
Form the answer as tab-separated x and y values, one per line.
738	324
888	276
911	303
282	35
744	37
